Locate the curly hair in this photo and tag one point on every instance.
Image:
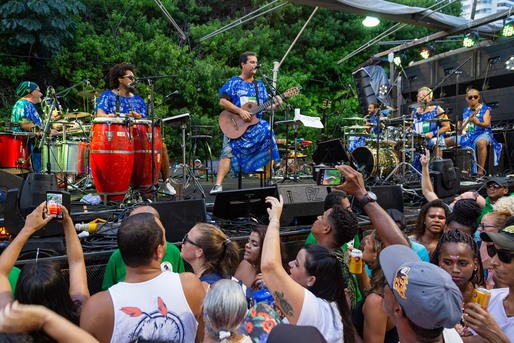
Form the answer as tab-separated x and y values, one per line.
221	254
117	71
505	204
334	198
419	230
344	224
459	236
465	212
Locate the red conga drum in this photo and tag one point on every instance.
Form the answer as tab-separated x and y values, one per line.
111	157
15	150
142	138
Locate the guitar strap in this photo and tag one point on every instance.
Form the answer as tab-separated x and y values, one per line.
256	91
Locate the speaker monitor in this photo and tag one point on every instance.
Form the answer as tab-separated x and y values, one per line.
490	168
387	197
462	160
8	181
302	203
365	92
445	178
178	217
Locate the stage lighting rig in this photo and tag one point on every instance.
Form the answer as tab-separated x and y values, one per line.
427	51
470	39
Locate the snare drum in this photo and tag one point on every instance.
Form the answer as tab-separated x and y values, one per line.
365	160
67	157
142	138
15	150
111	157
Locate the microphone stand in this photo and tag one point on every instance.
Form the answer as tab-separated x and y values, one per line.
271	122
46	132
151	112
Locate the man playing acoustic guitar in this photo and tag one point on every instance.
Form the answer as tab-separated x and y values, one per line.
475	132
252	148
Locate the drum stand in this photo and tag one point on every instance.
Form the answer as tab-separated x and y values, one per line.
180	121
403	163
295	124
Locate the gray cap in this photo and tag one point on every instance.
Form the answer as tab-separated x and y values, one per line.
427	293
499	180
503	239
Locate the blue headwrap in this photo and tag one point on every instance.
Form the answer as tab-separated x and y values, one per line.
25	88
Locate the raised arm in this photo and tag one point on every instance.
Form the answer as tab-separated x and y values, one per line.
288	294
426	185
386	228
33	222
77	266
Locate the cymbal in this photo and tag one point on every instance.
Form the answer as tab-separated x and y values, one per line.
64	122
357	127
90	93
76	115
432	103
355	118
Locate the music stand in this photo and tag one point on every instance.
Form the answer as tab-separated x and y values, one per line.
180	121
330	152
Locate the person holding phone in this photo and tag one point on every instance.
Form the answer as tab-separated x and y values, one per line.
41	282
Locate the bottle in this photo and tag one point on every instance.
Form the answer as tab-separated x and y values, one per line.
356	261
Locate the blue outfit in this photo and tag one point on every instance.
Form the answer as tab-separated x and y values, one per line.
422	127
25	112
474	133
252	149
356	142
107	103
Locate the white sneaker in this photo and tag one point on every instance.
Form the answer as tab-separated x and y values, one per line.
167	188
216	189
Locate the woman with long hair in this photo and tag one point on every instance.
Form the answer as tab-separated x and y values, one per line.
249	269
211	254
370	319
42	282
431	223
313	294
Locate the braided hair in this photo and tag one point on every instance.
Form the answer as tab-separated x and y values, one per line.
465	212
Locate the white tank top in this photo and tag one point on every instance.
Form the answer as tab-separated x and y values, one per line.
156	309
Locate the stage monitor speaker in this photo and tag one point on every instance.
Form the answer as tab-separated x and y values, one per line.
462	162
7	181
302	203
243	203
20	203
178	217
445	178
387	197
490	168
329	152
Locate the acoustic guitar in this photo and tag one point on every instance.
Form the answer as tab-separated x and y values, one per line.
233	126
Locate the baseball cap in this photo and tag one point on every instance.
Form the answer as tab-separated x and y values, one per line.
427	293
499	180
504	238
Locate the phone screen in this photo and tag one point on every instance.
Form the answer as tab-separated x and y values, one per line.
330	177
54	203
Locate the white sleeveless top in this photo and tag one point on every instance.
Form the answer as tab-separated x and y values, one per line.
156	309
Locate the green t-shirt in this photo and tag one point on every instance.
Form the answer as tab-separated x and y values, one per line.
116	270
353	287
13	278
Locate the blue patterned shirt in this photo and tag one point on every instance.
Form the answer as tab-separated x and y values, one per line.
107	103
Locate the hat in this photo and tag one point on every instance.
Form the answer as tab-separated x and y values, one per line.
261	318
427	293
499	180
198	161
25	88
504	238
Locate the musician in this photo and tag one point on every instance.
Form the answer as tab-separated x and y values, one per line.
426	122
121	101
252	149
371	120
476	133
26	115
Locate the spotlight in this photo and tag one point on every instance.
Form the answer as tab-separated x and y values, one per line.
383	89
470	40
509	64
427	51
370	22
508	30
399	59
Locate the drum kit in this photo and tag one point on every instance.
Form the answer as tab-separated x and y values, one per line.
116	153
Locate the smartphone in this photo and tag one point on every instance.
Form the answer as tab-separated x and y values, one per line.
330	177
54	203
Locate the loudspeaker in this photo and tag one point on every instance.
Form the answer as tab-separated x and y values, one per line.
445	178
463	161
490	168
22	202
8	181
178	217
365	92
387	197
302	203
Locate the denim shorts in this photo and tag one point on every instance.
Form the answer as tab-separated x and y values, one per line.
226	150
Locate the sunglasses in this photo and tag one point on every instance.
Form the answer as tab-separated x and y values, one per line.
503	256
186	239
493	185
471	97
130	77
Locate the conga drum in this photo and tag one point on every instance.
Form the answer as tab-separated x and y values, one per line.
15	150
111	157
142	138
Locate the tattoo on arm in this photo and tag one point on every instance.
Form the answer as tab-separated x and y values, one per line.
283	304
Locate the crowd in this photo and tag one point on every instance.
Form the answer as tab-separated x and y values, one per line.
397	295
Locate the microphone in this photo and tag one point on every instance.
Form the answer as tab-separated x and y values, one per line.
257	66
133	83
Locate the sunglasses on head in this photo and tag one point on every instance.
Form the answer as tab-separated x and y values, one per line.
471	97
503	256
